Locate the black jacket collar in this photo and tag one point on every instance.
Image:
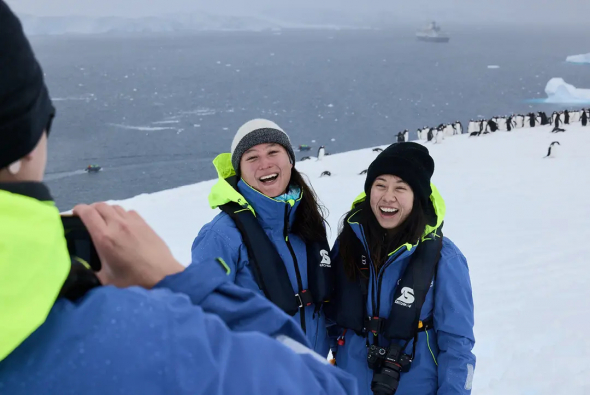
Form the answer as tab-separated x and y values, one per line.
36	190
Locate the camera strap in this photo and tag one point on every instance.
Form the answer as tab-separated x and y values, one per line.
80	280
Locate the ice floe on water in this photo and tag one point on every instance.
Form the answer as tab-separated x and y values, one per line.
583	58
143	128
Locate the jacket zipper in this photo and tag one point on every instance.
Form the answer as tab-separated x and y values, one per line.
297	274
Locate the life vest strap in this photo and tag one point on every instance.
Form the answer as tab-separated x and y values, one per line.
304	298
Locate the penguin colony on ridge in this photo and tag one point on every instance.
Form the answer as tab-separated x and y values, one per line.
479	127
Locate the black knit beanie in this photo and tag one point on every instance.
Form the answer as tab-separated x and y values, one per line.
409	161
25	107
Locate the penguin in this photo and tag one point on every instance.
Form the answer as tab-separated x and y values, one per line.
419	134
566	117
574	116
458	127
532	119
326	173
430	135
377	149
543	116
557	121
584	117
472	127
552	149
492	126
400	137
305	158
483	127
449	130
440	135
363	172
556	129
406	135
321	152
509	123
520	121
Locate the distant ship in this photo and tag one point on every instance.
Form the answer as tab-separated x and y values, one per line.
432	33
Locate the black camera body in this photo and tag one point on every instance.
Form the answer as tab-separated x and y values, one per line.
387	365
80	245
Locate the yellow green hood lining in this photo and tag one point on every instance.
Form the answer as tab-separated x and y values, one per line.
34	264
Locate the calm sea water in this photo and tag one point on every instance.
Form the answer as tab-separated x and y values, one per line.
155	110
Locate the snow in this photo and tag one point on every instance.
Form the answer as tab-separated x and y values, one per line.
520	219
558	91
584	58
493	67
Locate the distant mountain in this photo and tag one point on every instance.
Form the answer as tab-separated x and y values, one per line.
34	25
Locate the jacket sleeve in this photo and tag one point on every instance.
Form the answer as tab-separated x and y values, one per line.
224	339
213	245
206	357
209	287
453	322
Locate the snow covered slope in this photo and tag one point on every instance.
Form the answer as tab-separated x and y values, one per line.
520	219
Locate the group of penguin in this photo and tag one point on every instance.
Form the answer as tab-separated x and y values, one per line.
482	127
438	134
530	120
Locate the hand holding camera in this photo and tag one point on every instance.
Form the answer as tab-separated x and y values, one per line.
130	251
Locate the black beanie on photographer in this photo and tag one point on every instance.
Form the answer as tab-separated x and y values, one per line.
25	107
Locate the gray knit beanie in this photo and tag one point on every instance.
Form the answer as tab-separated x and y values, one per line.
258	131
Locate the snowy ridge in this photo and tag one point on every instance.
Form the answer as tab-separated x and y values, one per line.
520	219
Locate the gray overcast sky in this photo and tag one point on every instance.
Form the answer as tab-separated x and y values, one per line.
557	11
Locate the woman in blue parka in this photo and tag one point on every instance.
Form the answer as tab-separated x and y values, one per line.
258	179
403	306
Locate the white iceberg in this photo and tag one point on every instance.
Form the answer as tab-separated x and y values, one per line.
558	91
584	58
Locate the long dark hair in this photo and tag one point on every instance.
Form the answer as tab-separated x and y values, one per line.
379	241
310	218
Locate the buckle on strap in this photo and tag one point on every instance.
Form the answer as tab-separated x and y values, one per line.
374	324
304	298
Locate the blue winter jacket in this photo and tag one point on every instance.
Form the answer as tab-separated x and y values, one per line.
221	238
194	333
443	363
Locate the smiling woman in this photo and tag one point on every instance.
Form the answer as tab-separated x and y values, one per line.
270	235
393	265
267	168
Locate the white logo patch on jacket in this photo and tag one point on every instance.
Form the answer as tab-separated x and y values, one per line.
326	262
406	298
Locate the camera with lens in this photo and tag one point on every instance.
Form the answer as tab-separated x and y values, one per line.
387	365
